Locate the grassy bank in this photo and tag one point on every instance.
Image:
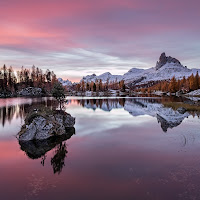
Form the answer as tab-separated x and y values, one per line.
188	107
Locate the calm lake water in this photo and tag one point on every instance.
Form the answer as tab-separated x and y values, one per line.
121	148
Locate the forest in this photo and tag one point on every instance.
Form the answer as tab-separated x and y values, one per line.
174	85
99	86
13	81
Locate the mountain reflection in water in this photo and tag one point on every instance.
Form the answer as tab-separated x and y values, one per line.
166	116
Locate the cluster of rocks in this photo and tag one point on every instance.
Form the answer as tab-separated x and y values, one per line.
40	125
30	91
165	59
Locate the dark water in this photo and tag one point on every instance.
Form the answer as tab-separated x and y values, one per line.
133	148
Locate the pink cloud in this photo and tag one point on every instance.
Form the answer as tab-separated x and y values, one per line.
139	29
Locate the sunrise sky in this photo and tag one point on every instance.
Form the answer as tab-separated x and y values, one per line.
79	37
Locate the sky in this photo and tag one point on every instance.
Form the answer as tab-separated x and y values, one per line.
75	38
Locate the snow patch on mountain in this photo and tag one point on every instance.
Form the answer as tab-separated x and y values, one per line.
133	74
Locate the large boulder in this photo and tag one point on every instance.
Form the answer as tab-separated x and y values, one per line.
40	125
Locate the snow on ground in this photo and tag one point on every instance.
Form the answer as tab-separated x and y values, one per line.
159	93
194	93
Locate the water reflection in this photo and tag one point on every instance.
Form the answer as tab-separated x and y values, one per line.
104	104
36	149
58	160
22	106
166	116
118	152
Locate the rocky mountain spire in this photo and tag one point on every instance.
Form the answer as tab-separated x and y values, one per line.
164	59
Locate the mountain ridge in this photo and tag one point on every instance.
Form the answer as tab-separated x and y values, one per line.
166	67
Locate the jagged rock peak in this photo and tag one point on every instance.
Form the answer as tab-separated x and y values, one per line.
164	59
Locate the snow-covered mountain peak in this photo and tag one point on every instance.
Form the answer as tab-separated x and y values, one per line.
105	75
163	60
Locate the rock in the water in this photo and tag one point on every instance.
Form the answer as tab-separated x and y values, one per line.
40	125
30	91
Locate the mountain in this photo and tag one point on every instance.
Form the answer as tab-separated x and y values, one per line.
65	83
104	77
166	67
164	60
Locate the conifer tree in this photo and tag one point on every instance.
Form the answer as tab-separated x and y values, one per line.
192	84
173	85
196	81
94	87
100	85
58	92
5	77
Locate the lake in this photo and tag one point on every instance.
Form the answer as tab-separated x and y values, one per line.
121	148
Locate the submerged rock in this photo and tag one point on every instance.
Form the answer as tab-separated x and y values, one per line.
40	125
